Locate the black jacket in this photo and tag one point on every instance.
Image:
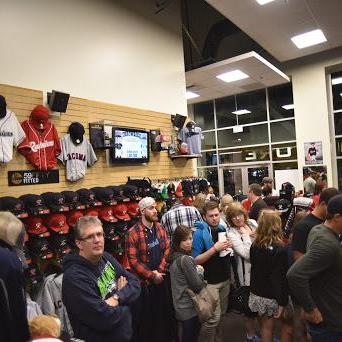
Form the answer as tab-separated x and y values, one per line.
13	319
84	291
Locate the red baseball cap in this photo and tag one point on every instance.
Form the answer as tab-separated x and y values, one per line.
179	190
120	212
73	217
106	214
133	209
91	212
188	201
57	223
35	226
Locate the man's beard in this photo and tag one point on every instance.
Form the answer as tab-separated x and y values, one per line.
151	218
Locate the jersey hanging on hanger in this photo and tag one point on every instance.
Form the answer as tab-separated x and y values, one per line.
192	136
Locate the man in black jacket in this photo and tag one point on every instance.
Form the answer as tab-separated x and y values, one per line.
258	204
13	320
97	290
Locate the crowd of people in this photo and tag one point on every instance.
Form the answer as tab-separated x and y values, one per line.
221	245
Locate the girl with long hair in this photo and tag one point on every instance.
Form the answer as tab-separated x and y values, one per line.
269	264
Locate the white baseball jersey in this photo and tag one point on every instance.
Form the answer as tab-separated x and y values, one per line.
11	134
76	157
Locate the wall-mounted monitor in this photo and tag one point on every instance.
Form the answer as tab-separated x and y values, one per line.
130	145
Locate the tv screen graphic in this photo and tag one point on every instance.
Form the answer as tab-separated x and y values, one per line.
130	145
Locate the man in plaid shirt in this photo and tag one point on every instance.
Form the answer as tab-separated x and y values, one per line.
147	247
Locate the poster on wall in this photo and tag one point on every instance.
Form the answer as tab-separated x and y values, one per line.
313	153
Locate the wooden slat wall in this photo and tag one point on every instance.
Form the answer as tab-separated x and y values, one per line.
22	101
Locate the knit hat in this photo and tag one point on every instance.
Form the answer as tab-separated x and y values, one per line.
335	205
146	202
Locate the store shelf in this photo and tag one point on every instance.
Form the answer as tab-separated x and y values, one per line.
187	156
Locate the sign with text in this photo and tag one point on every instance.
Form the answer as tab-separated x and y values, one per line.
32	177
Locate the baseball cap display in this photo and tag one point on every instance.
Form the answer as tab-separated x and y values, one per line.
32	274
187	188
188	201
131	192
72	200
120	212
72	217
91	212
133	209
179	190
59	244
55	201
87	197
57	223
106	214
110	231
104	195
121	227
35	226
14	205
39	247
34	204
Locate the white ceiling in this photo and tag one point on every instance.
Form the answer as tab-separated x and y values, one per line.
272	25
262	74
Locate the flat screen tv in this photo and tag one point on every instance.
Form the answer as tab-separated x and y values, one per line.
130	145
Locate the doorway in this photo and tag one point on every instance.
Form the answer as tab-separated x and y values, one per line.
235	180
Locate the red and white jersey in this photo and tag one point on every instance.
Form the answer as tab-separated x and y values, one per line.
41	147
11	134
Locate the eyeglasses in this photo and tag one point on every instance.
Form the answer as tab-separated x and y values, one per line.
92	237
237	217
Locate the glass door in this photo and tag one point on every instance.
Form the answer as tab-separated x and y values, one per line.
232	181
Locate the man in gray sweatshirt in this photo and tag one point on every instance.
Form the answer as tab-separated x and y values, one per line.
316	278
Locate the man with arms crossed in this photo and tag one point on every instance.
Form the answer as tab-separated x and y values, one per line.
96	289
315	279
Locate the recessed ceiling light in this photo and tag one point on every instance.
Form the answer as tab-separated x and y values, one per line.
288	106
341	94
337	80
241	111
232	76
190	95
309	38
263	2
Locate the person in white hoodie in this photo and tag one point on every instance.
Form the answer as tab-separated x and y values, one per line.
240	233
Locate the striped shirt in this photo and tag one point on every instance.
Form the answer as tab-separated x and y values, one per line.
180	215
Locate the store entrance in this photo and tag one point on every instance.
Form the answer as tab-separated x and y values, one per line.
235	180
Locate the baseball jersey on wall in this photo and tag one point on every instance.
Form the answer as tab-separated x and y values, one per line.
40	147
11	134
192	137
76	157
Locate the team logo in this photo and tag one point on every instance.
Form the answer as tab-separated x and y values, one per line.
17	178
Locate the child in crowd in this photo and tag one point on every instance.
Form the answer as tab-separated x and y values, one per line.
45	327
185	274
269	264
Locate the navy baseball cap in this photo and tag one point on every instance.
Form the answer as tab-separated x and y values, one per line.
14	205
72	200
34	204
39	247
55	201
104	195
87	197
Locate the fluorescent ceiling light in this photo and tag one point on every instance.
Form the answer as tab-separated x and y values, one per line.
241	111
309	38
341	94
232	76
263	2
288	106
190	95
337	80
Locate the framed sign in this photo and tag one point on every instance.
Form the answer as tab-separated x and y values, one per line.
313	153
32	177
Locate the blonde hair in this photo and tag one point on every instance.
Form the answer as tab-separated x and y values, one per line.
45	326
10	228
234	209
225	201
269	231
199	201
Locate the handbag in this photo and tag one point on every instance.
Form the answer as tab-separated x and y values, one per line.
204	302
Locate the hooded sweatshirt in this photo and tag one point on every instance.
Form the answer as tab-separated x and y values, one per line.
13	319
184	276
84	290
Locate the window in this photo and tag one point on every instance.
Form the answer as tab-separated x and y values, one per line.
283	131
279	99
282	152
243	155
204	115
208	159
251	135
224	109
211	175
337	91
208	143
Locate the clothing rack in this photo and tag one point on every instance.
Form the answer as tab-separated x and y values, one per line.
161	180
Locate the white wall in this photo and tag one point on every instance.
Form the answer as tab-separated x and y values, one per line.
115	51
313	108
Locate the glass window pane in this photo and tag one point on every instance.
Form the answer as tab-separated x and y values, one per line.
224	109
211	176
339	146
338	123
280	96
208	159
232	180
283	131
208	143
337	92
204	115
251	135
243	155
339	172
256	174
284	152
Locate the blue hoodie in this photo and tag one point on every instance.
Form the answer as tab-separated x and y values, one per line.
84	291
202	240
